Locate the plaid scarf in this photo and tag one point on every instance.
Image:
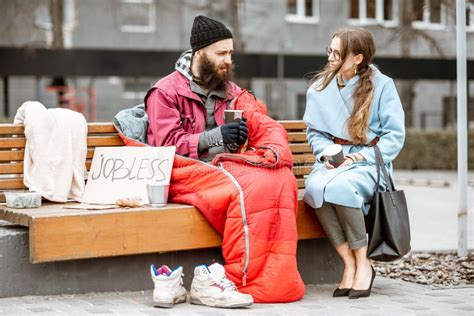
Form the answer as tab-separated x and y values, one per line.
183	65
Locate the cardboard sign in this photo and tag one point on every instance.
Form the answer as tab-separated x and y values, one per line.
121	172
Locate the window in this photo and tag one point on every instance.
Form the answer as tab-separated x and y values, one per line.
449	114
429	14
137	16
300	105
366	12
470	16
135	88
302	11
43	21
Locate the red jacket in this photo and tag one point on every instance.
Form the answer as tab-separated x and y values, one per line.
177	115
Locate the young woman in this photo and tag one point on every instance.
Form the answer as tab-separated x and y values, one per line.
351	103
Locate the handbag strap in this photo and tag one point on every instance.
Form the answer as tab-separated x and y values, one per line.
381	166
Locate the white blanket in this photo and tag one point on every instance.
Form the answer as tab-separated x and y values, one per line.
55	151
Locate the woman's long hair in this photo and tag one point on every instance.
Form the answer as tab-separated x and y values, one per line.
354	41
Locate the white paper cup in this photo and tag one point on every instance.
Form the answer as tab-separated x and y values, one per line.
157	194
232	115
334	155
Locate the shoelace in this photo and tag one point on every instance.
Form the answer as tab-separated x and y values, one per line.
226	283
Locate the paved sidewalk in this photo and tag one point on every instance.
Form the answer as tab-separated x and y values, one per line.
389	297
432	198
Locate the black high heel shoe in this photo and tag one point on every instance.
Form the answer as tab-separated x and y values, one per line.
341	292
353	294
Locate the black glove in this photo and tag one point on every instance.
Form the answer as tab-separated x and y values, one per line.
244	131
234	132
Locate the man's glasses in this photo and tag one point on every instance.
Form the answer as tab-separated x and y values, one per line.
335	52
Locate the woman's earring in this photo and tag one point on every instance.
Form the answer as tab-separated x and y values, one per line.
355	70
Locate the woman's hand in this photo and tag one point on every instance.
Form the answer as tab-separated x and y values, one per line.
347	161
328	165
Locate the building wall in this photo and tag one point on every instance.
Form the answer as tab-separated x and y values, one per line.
261	25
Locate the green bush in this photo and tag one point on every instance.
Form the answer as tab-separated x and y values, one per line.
432	150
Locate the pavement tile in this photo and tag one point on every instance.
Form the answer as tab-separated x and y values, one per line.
313	306
40	309
156	311
100	302
212	313
16	311
403	300
438	294
365	307
451	302
98	311
262	306
466	308
78	302
266	313
417	308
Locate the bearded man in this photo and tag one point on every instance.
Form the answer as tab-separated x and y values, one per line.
238	175
186	108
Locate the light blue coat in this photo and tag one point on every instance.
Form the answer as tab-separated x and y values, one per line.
326	115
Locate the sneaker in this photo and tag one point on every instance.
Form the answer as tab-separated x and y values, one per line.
169	288
211	287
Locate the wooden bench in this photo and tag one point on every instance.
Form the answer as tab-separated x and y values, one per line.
57	234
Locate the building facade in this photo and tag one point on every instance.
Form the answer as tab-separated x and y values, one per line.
401	28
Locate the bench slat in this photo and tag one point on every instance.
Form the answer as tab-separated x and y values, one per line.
11	129
93	128
12	142
17	168
92	141
290	124
107	127
301	183
300	148
11	168
302	170
101	141
303	159
99	128
12	155
12	184
296	137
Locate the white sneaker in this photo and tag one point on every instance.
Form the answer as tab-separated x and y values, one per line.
168	286
211	287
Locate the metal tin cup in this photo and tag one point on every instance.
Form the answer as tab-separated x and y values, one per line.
157	194
232	115
334	155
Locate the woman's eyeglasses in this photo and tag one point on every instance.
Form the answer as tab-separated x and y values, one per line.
335	52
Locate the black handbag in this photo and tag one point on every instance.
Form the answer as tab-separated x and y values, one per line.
387	223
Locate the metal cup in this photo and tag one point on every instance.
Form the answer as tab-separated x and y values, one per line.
157	194
334	155
232	115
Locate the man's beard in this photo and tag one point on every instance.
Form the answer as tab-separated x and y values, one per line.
211	77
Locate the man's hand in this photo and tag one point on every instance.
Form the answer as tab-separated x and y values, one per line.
244	131
234	132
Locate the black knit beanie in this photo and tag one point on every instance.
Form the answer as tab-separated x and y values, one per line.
207	31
